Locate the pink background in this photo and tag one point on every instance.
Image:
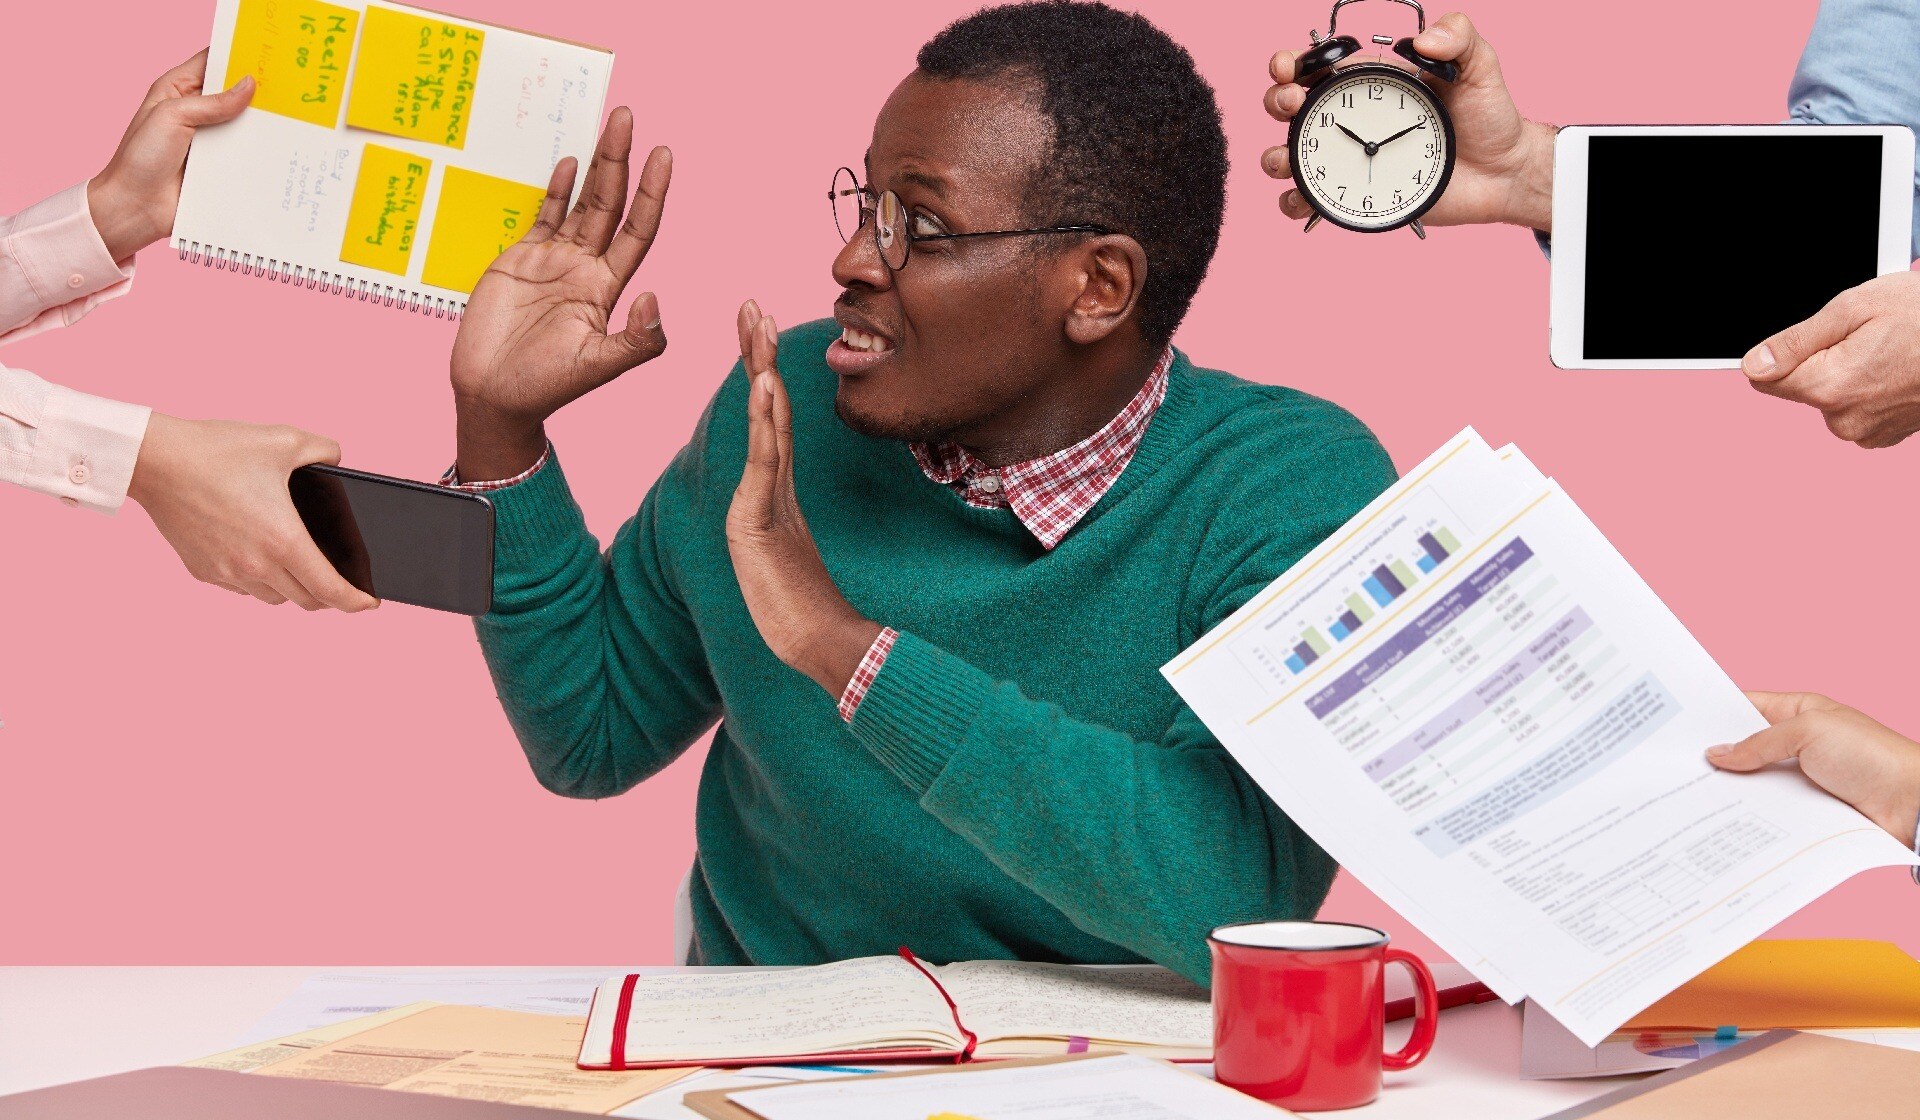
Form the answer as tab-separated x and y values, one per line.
187	777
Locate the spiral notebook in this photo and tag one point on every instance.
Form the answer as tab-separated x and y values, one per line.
389	154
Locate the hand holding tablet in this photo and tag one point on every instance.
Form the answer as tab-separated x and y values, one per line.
1680	247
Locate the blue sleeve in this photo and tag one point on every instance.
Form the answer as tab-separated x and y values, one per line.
1859	68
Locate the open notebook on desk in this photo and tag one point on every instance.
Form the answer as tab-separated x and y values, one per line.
894	1008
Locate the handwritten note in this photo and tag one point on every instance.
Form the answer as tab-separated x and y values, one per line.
384	215
415	77
297	52
479	217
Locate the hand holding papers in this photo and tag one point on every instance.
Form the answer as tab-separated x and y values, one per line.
1474	703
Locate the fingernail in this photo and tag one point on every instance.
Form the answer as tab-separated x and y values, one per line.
1720	751
753	310
765	383
1758	362
650	310
246	82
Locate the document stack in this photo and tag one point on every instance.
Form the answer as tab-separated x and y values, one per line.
1477	706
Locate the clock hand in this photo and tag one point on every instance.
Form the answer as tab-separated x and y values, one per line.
1399	134
1350	134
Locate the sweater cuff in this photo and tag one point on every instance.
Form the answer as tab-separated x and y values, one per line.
919	709
533	515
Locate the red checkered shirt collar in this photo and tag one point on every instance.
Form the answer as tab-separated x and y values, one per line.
1052	493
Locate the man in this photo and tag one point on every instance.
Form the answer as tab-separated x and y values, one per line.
923	563
217	491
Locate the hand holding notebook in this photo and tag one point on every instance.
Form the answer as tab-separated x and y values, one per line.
388	153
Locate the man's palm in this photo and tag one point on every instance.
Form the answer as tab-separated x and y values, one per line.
535	332
529	341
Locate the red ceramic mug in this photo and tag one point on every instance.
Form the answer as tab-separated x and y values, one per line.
1299	1009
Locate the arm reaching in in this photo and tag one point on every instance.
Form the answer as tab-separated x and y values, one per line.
1843	751
217	491
1504	172
1857	361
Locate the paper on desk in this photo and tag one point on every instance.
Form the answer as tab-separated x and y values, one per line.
333	997
480	1053
250	1057
1549	1050
665	1104
1103	1088
1471	700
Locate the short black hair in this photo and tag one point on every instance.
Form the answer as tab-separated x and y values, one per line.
1137	142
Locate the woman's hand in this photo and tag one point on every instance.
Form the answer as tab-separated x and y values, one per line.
134	199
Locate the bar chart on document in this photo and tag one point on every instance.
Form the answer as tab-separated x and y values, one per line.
1414	542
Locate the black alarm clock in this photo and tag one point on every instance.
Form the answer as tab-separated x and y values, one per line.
1372	145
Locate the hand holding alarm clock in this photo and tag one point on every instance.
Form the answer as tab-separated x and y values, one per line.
1435	139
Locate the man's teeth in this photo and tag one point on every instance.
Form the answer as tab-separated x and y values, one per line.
861	340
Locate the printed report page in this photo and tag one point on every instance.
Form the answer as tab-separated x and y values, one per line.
1506	745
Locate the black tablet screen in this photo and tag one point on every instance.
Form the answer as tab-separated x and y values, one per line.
1702	246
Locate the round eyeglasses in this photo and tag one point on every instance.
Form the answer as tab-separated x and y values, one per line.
856	206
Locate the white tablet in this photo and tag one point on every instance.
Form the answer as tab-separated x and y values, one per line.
1684	246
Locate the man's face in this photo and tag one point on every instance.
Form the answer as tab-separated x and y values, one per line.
961	334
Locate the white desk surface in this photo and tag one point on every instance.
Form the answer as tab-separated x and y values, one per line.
66	1023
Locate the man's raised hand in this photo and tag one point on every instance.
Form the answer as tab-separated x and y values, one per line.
535	334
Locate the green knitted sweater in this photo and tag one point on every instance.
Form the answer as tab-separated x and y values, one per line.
1020	782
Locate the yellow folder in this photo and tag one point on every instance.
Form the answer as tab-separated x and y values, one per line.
1802	985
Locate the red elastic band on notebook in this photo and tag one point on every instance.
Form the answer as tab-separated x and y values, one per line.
621	1011
966	1052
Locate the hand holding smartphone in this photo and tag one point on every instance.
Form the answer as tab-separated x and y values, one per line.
400	541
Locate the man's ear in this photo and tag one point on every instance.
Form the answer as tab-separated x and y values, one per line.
1109	272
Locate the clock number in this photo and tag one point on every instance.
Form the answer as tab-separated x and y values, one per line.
1430	150
1346	100
1420	121
1376	92
1343	195
1326	120
1313	144
1366	203
1396	198
1417	180
1320	172
1403	99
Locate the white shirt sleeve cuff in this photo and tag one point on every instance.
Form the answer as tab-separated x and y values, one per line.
84	449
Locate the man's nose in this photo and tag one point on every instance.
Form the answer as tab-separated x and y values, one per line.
858	264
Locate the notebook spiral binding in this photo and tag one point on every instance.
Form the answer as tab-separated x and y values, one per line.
386	295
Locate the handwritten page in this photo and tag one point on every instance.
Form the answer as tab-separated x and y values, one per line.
297	53
480	216
384	217
1125	1003
1116	1087
861	1004
475	1052
395	166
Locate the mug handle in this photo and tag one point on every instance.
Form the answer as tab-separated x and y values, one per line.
1426	1013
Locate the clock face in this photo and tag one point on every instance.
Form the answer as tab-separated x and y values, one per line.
1372	149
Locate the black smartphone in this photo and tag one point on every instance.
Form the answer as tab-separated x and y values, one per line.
401	541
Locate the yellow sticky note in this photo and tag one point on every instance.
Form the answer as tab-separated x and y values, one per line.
384	216
297	52
479	218
415	76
